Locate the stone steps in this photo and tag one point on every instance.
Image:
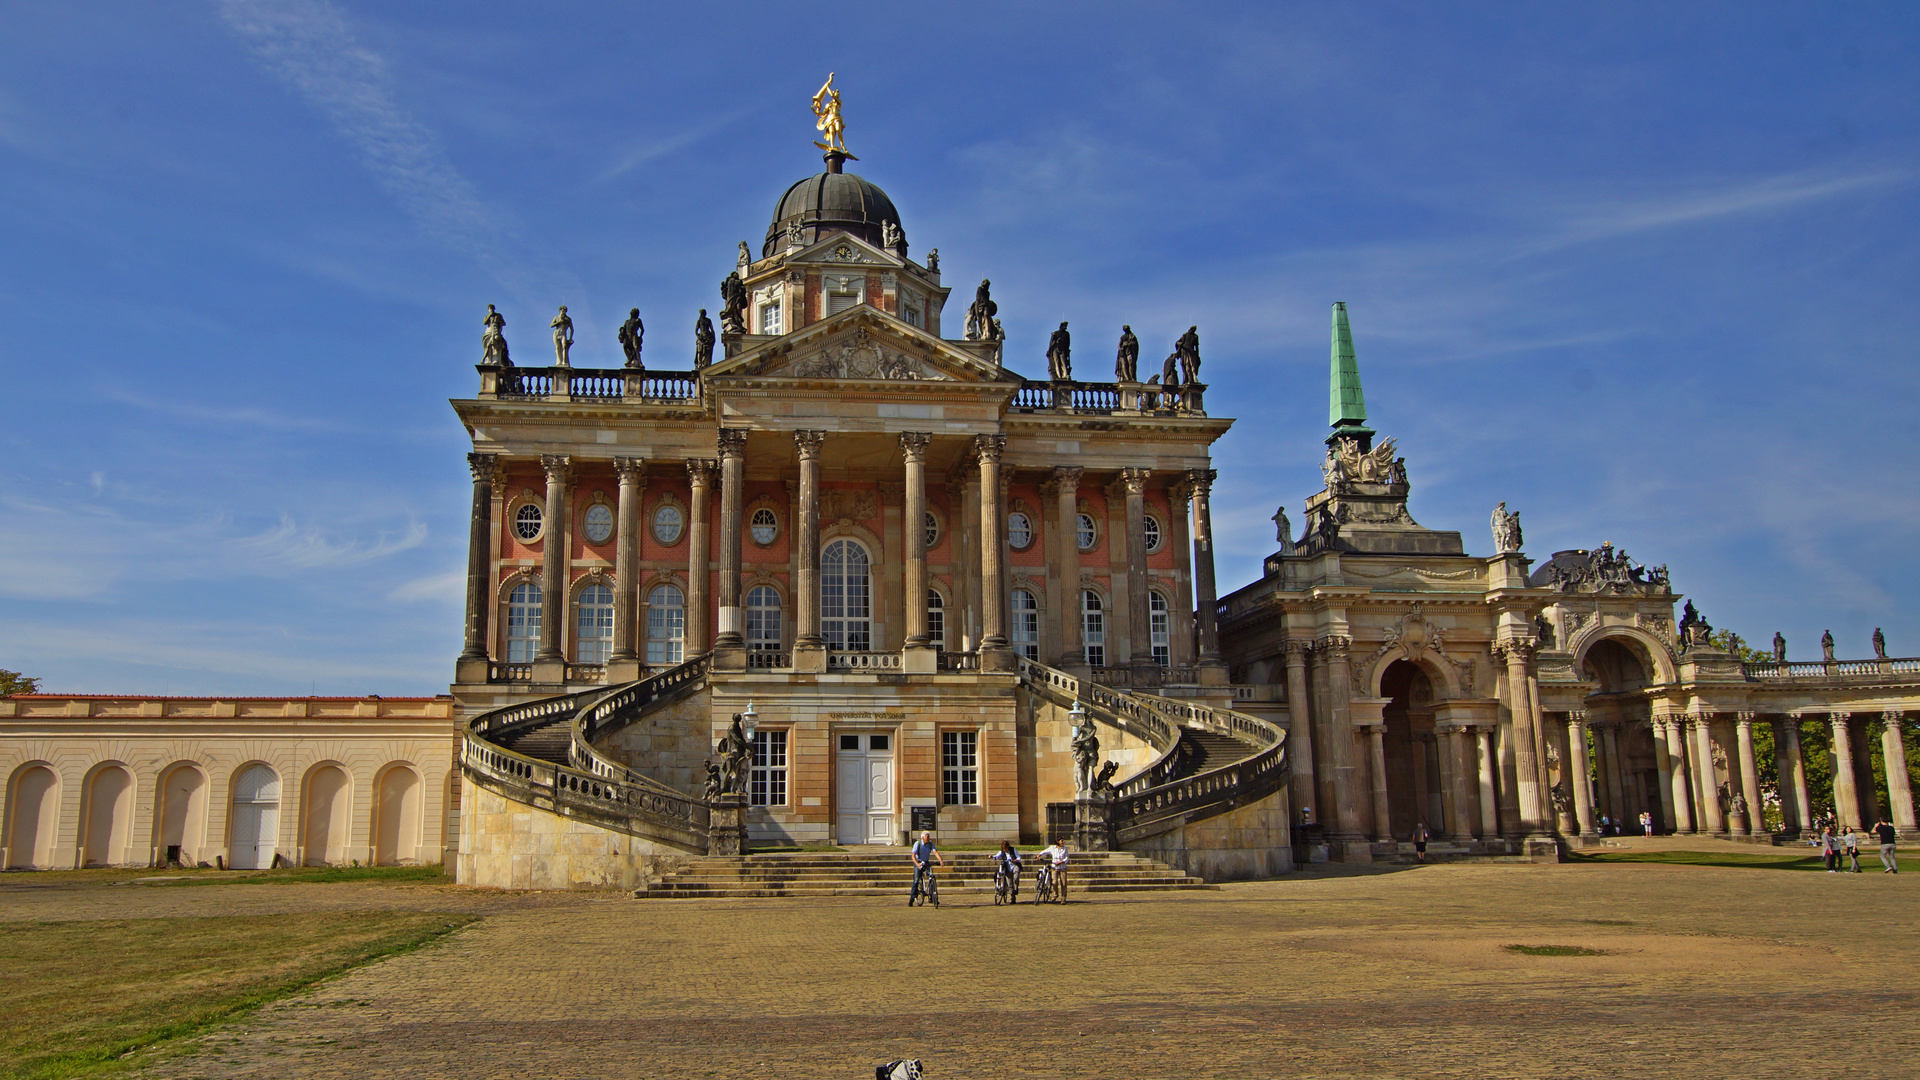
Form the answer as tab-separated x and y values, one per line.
965	874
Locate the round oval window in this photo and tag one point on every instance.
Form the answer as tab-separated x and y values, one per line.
667	524
765	526
526	522
599	523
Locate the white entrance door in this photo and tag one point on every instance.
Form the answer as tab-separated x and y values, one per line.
256	818
863	789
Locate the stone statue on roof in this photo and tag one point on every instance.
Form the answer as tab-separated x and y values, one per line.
493	340
891	237
1879	644
562	336
1060	355
702	341
1506	530
1283	530
733	305
631	332
1187	348
1826	645
980	313
741	261
1779	648
1126	364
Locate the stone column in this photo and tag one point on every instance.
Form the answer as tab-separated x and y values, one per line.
1581	779
913	586
1460	743
1682	782
700	475
1706	776
1300	784
1533	802
553	564
1340	742
1063	485
1846	797
733	483
1377	748
1899	778
1179	512
626	556
1139	629
1663	768
1206	603
1792	771
993	542
1489	797
479	564
806	584
1749	775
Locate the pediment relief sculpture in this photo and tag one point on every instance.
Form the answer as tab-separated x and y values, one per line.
844	504
1417	640
861	355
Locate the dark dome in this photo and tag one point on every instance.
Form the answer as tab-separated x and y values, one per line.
831	202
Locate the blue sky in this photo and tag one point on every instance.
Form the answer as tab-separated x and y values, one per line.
1646	272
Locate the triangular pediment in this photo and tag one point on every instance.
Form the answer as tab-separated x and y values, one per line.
862	344
844	249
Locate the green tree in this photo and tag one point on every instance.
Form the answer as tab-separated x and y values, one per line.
12	682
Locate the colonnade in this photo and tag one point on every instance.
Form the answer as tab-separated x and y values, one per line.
986	580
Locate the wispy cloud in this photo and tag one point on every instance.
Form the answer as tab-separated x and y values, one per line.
310	46
290	546
188	410
652	147
444	588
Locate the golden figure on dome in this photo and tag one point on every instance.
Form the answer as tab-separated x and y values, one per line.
826	106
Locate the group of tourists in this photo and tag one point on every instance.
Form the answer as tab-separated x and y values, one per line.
1007	866
1612	826
1842	847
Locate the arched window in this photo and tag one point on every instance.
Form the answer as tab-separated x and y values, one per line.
523	623
1026	624
936	620
764	527
593	642
1085	533
526	522
845	597
1159	633
933	530
763	619
1151	527
666	625
1093	627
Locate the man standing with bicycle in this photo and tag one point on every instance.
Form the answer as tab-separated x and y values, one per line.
1053	863
925	855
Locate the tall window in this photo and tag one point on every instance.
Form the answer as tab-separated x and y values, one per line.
1151	527
764	526
936	620
763	619
1026	624
593	639
767	773
960	768
1093	627
666	625
1084	532
1158	630
933	530
523	623
845	594
770	318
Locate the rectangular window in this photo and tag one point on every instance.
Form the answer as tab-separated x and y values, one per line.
910	311
844	292
960	768
1161	639
770	318
767	775
1093	627
523	633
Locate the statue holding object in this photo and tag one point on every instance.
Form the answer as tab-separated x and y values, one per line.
1086	750
1506	530
493	340
631	332
980	313
1187	349
733	305
1126	363
702	341
1060	355
562	336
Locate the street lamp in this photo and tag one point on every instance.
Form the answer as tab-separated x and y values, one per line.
749	720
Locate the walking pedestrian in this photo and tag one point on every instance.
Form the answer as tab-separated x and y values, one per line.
1830	849
1420	841
1646	822
1850	843
1886	833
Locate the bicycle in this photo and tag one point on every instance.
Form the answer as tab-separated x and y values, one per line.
932	893
1050	884
1006	884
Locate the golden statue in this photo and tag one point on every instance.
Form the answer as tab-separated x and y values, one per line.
826	106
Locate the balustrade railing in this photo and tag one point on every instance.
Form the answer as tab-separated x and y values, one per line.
590	384
959	661
1033	395
862	661
509	672
587	673
596	384
1825	669
1096	397
663	386
768	660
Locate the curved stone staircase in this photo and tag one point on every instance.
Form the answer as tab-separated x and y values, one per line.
543	754
966	874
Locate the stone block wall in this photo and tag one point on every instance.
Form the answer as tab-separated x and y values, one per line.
507	845
1246	844
669	744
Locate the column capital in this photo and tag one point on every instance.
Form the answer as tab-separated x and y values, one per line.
808	443
1333	645
1893	716
1838	717
914	444
558	467
484	467
733	442
1063	478
700	471
631	470
1135	480
1200	481
1577	717
1296	648
1511	649
990	447
1745	717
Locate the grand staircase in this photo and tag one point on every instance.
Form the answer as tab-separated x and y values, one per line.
967	875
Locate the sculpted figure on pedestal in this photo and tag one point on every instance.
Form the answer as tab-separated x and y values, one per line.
1126	363
1187	349
733	305
713	780
1779	648
980	313
1506	530
493	340
631	332
933	260
1879	644
796	235
1170	371
1283	530
1086	748
891	237
1826	645
1060	355
1103	780
562	336
740	261
734	749
702	341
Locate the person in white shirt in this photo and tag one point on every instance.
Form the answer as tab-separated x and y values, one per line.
1053	861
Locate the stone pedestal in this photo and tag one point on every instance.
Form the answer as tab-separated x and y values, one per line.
1090	816
727	827
999	659
472	672
810	659
729	657
550	671
624	671
1737	823
920	659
